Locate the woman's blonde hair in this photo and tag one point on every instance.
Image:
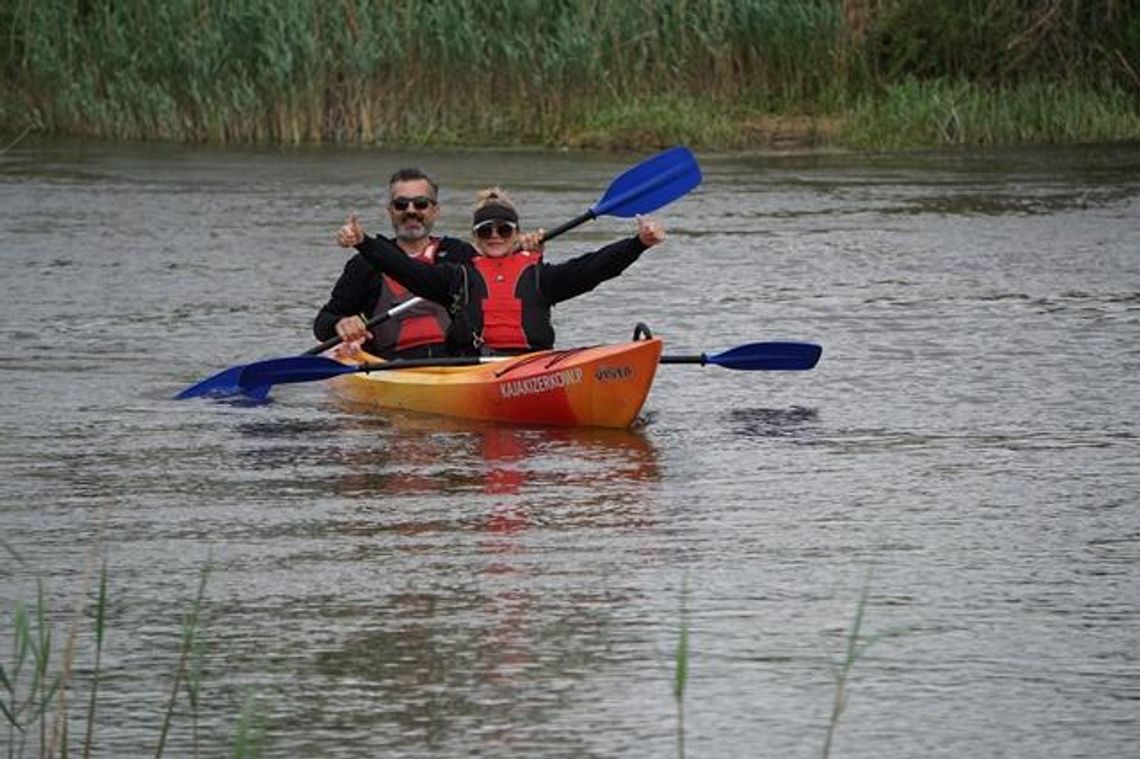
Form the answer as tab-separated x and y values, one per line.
494	196
493	203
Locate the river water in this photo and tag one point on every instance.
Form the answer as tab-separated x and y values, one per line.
966	450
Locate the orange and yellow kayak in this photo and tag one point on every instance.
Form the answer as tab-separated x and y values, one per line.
599	386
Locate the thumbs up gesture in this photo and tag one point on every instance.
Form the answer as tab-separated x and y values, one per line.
650	231
351	234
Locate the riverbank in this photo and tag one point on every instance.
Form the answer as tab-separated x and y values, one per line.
731	74
912	114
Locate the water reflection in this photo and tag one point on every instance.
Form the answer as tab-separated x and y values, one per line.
470	516
772	422
408	453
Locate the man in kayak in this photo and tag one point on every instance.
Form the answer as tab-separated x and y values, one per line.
361	294
499	299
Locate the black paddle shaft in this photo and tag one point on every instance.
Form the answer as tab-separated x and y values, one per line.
589	215
378	319
702	359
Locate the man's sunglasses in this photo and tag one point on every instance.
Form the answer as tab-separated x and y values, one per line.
503	229
420	203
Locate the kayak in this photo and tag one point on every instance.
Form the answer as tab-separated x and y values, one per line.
597	386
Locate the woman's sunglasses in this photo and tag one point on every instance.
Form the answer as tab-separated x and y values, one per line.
503	229
420	203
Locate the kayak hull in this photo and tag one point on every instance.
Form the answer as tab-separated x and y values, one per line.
599	386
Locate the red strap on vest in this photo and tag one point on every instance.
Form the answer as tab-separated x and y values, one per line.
424	324
502	310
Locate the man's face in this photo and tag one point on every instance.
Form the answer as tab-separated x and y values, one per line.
412	208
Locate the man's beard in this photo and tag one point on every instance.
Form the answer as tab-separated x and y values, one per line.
411	235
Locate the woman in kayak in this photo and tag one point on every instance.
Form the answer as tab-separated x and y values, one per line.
499	297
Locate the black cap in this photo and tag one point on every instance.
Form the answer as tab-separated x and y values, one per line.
495	211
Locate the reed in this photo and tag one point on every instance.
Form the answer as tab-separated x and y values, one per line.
100	630
856	646
573	72
188	667
681	670
249	741
916	113
29	685
36	680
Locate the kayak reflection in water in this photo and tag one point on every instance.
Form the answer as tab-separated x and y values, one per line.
500	294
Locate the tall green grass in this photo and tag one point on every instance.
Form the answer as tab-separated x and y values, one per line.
36	682
28	683
450	70
915	113
681	669
856	645
566	72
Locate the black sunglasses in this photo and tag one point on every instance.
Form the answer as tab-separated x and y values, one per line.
503	229
420	202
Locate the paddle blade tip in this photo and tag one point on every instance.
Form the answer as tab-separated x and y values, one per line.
812	355
652	184
222	384
226	385
770	356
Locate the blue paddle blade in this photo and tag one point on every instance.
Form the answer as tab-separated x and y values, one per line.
224	384
253	381
255	395
779	356
651	184
281	371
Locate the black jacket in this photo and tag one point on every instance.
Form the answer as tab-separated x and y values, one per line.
360	287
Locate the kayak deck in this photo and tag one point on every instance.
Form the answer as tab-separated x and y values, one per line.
598	386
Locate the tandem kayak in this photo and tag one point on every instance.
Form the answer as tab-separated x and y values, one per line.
598	386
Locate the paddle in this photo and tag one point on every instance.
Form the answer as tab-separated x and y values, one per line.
282	371
651	184
396	310
773	356
228	382
770	356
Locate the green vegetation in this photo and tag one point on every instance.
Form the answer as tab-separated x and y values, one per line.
36	683
962	113
26	699
857	645
712	73
681	669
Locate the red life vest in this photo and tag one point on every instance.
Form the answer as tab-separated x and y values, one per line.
507	307
422	324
